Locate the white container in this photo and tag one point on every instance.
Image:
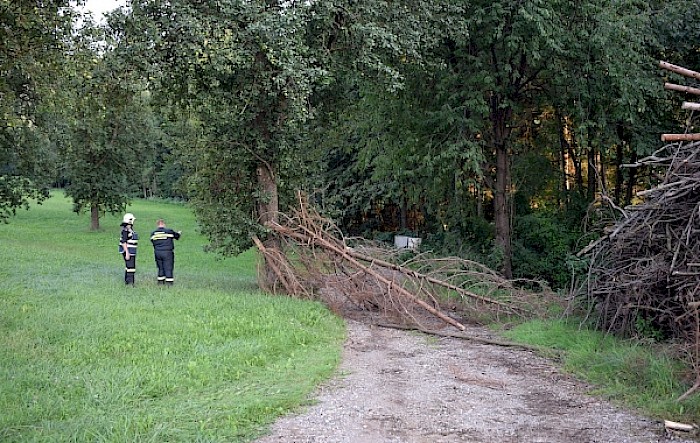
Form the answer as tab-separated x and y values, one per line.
406	242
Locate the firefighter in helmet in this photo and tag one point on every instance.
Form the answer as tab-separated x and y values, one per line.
128	242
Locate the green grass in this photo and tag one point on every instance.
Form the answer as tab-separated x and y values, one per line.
85	359
643	377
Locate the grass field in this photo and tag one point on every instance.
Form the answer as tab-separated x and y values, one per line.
83	358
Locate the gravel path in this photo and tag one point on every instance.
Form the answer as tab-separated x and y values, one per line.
401	387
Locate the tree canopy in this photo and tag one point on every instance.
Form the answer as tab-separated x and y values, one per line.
33	48
485	127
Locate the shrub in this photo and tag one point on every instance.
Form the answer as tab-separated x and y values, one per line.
542	248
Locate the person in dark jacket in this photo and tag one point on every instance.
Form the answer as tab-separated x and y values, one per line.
164	250
128	242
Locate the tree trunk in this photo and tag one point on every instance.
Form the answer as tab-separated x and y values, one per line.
94	217
268	203
502	210
403	214
268	211
577	162
619	178
479	194
592	168
500	117
602	170
631	181
563	197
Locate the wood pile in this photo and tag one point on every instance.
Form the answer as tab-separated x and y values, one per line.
644	274
648	266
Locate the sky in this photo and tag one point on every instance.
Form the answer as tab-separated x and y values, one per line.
98	7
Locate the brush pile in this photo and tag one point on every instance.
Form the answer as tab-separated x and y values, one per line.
646	272
357	278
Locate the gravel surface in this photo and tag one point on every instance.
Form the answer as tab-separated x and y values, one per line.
397	386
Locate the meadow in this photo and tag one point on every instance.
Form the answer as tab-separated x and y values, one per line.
84	358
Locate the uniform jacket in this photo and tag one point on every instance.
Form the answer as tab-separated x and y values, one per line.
129	237
162	239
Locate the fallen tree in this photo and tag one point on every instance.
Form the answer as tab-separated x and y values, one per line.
356	276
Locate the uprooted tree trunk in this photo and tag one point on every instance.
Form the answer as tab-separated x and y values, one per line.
268	212
316	261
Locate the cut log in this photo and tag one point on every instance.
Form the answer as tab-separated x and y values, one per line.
675	426
691	106
680	137
681	88
679	70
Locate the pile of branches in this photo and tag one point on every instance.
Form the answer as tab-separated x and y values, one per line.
354	277
648	265
644	275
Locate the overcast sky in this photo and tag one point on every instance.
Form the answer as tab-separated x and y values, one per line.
98	7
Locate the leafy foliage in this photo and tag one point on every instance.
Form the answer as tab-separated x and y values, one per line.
542	249
108	127
458	120
29	57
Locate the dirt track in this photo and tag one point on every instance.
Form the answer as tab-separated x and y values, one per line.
397	386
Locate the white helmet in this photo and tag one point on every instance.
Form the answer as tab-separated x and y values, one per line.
129	218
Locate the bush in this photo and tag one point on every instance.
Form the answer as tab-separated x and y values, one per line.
472	240
542	249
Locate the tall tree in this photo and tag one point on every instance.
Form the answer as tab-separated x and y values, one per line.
245	73
500	63
110	125
607	86
32	51
249	70
389	138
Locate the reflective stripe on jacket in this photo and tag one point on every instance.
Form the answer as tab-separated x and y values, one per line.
162	239
131	239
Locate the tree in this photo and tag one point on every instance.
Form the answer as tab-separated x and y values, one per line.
32	50
248	71
494	66
607	89
109	126
244	72
384	134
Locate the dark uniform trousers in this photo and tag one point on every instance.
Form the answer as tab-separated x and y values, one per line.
165	260
130	270
131	239
164	251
